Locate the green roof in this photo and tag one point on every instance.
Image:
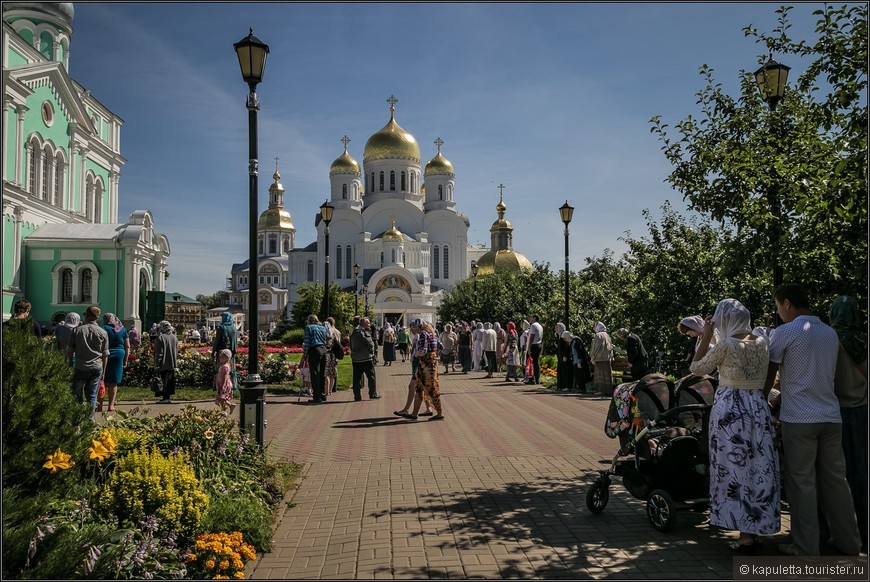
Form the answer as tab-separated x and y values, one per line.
179	298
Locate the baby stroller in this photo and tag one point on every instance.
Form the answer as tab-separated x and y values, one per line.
662	431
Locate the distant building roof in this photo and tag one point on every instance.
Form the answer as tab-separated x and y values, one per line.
179	298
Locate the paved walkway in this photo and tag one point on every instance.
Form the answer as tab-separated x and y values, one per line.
496	490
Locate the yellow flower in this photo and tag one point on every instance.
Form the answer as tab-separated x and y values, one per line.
98	452
59	460
108	441
239	575
220	577
208	434
209	564
224	564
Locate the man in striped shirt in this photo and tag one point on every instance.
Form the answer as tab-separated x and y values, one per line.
314	346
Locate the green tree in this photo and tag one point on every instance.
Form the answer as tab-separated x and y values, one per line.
210	301
341	305
791	181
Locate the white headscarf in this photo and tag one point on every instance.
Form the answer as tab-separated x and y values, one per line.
731	318
694	322
599	327
762	331
560	327
72	319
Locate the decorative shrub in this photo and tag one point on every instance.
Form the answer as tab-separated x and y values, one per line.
294	336
221	555
147	483
240	511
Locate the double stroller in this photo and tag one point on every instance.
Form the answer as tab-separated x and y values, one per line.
663	435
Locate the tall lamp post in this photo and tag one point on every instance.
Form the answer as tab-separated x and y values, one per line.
252	61
566	211
771	79
326	215
356	270
366	293
474	269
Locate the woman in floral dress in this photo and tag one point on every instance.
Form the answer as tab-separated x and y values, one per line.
744	466
223	383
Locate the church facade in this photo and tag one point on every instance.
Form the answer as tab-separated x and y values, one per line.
63	247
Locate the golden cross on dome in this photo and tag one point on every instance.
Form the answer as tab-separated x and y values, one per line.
501	190
345	140
439	142
276	164
392	101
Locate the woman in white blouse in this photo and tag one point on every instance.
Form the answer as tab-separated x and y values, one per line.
744	466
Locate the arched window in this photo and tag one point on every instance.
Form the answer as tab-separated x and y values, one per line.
57	199
392	180
286	244
403	258
344	191
338	257
446	269
46	173
98	202
440	192
32	167
435	262
260	245
66	286
273	245
87	280
392	255
373	181
348	263
382	181
310	274
403	181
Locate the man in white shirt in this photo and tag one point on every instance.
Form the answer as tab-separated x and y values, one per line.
804	351
535	343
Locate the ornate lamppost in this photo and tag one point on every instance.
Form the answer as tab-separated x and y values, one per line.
356	269
252	61
474	269
566	211
771	79
326	210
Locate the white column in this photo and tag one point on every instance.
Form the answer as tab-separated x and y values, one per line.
16	250
83	153
114	178
19	141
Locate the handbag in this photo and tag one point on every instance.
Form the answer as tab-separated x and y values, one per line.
102	393
337	350
156	384
530	367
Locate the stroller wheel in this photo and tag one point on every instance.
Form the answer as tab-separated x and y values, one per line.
597	497
661	511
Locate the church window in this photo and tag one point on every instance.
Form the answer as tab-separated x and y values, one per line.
58	182
87	279
435	262
373	181
392	255
382	259
392	180
348	263
273	245
262	279
46	173
440	192
98	202
338	257
403	182
286	244
31	173
260	245
310	274
382	181
450	192
66	286
446	269
403	258
344	191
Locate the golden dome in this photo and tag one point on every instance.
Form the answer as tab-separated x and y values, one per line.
273	218
501	224
392	142
394	233
504	261
438	165
344	164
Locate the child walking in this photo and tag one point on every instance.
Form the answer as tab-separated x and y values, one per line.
223	383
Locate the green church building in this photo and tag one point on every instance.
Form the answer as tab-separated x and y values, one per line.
63	246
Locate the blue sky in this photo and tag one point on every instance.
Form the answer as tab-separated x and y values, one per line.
552	100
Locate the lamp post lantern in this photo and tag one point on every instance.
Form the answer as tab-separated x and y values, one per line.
474	269
771	79
326	210
566	211
252	61
356	269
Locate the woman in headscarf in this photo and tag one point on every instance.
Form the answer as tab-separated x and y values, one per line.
165	360
500	339
388	340
63	331
464	341
428	389
850	384
477	346
564	362
119	352
744	466
524	346
448	347
511	353
601	353
692	327
331	367
226	337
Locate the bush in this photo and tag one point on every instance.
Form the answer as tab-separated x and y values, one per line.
147	483
221	555
40	413
294	336
239	511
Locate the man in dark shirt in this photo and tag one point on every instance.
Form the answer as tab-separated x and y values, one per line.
362	354
636	353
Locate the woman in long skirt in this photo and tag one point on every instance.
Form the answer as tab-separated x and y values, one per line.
428	389
389	343
744	465
601	354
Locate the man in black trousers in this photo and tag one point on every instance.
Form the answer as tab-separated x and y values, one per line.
362	355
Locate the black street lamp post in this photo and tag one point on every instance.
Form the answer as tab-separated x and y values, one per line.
356	269
474	269
771	79
566	211
366	293
252	61
326	215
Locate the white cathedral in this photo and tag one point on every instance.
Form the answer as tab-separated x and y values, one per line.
394	218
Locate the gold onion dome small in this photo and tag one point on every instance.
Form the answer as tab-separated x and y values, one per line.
394	233
344	164
501	223
392	141
503	261
438	165
273	218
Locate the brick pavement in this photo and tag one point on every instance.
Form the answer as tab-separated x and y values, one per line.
496	490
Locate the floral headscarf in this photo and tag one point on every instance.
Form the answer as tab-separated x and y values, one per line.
112	321
846	321
511	328
731	318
